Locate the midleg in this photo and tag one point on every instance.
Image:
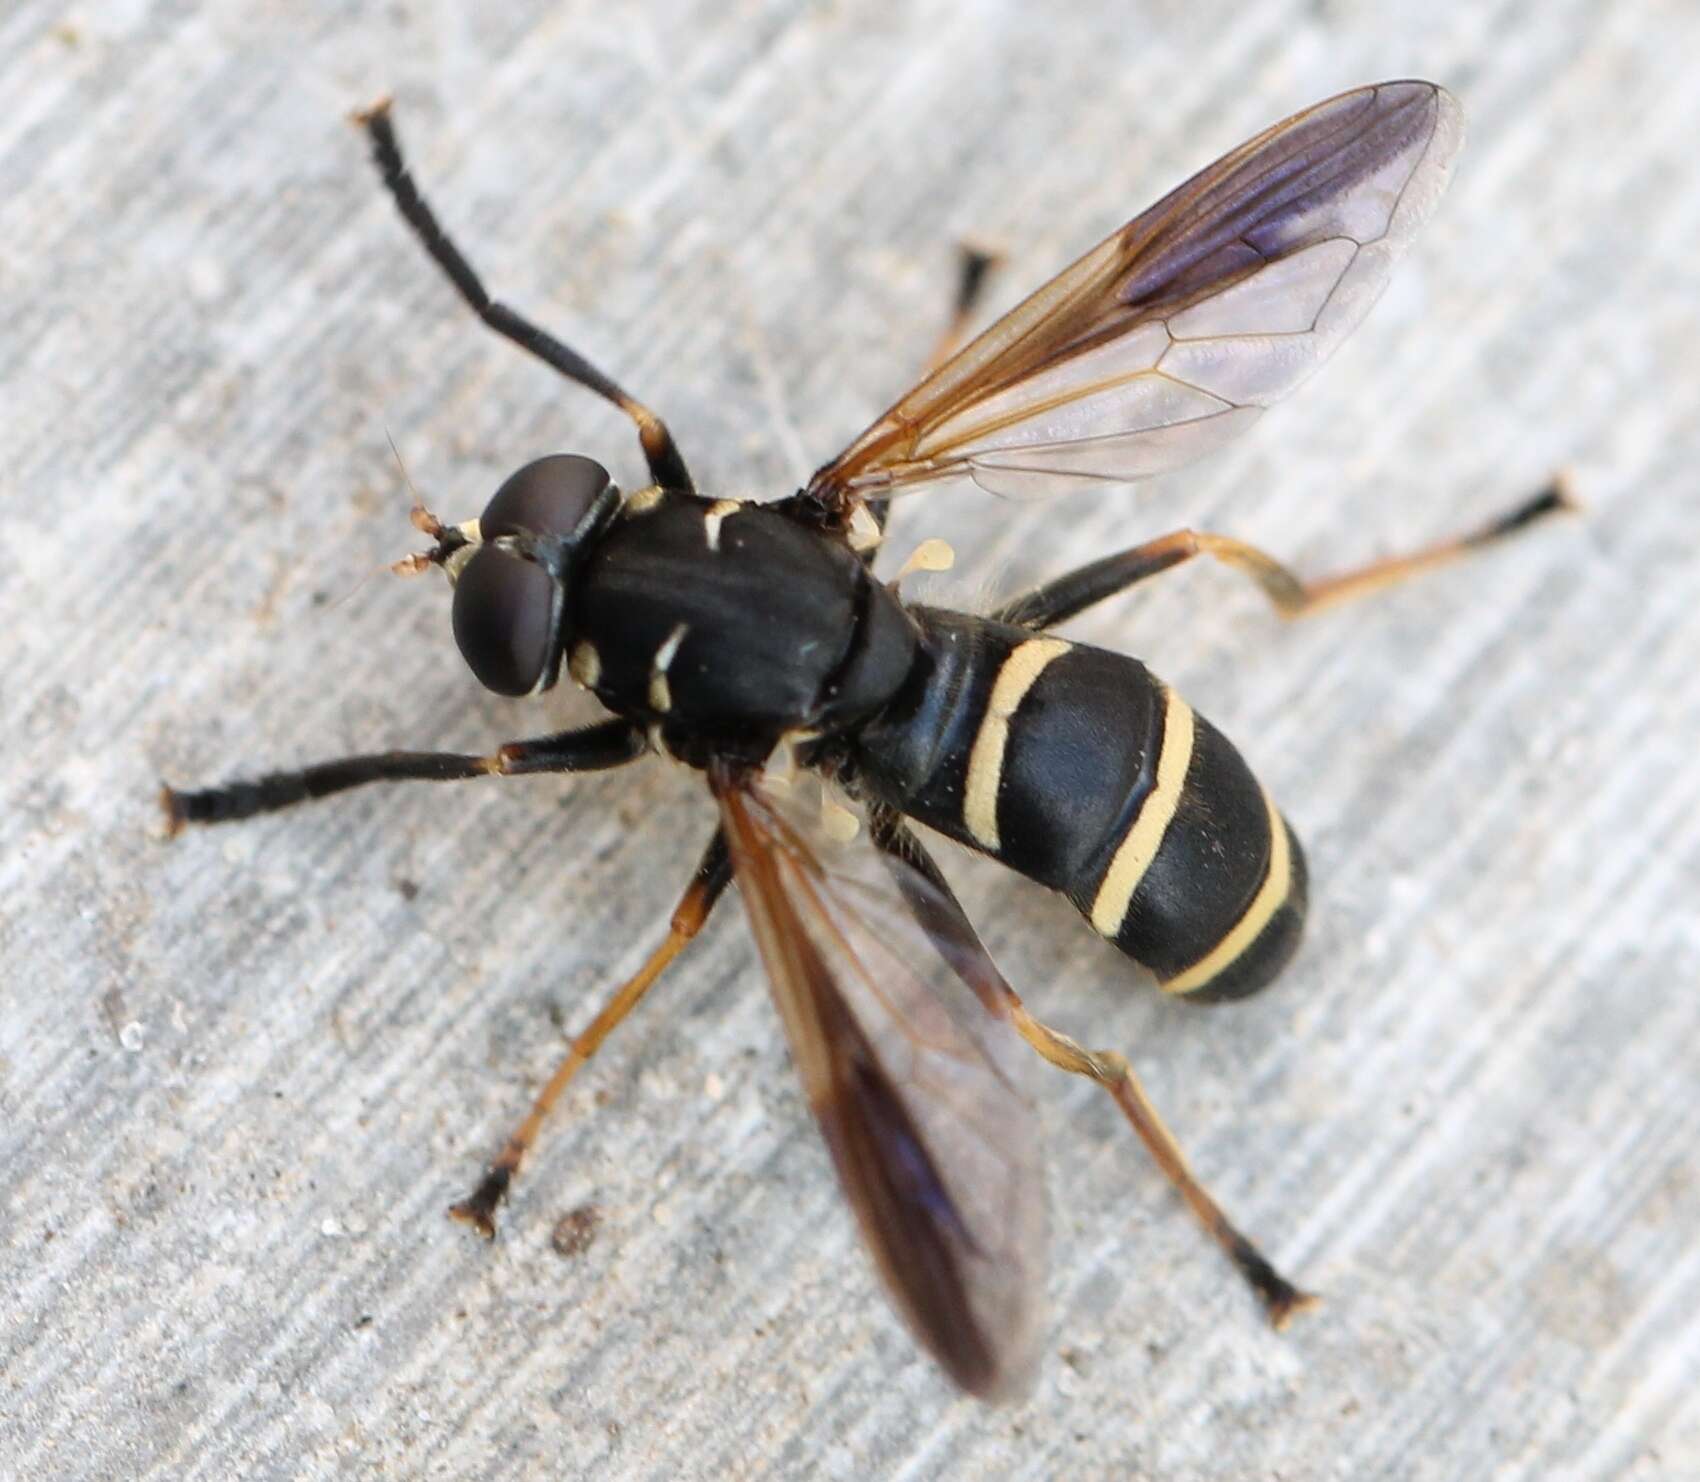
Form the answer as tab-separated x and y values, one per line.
706	887
1292	596
974	267
666	466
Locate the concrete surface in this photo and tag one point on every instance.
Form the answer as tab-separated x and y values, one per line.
242	1075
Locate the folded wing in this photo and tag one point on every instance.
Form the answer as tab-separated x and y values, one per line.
913	1075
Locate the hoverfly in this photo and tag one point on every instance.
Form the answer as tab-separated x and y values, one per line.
732	636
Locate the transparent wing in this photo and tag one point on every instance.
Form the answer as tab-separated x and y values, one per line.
914	1076
1172	335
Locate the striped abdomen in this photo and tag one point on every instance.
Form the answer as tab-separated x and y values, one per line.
1084	772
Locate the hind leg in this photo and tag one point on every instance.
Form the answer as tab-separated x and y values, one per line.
1057	601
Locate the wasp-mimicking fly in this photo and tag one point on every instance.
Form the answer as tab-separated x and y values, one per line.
754	643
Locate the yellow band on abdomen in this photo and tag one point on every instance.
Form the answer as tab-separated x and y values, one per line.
1141	842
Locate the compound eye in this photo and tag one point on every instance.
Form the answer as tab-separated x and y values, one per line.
502	602
548	497
502	606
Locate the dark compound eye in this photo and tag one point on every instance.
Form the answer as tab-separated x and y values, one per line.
501	615
503	603
548	497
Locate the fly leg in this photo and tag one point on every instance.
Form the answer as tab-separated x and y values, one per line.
708	883
595	748
666	465
1070	594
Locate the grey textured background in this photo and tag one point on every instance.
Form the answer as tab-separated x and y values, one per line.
242	1075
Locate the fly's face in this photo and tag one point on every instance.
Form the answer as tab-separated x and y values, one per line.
512	566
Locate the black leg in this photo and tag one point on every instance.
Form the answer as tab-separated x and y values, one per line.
974	267
706	887
1073	593
935	906
613	743
666	466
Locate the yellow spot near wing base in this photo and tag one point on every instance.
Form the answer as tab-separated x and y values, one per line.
1271	896
864	530
838	821
929	555
1019	673
1141	842
717	513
